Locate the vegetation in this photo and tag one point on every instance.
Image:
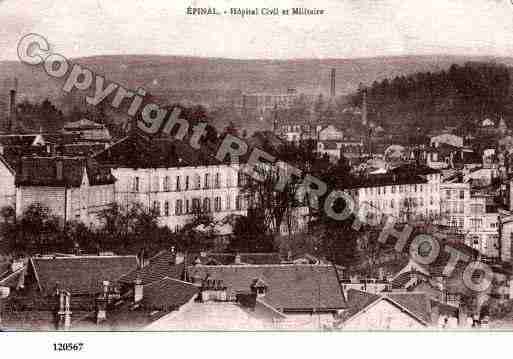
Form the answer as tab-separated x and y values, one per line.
461	97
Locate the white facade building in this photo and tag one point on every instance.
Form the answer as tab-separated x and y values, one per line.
405	193
177	181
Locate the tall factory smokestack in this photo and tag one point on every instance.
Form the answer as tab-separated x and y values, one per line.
12	106
364	107
332	79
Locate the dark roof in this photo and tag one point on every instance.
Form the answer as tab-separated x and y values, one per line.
17	140
329	145
358	300
245	258
417	304
387	179
135	151
81	149
80	275
444	309
167	294
405	174
44	171
159	267
290	287
414	169
34	320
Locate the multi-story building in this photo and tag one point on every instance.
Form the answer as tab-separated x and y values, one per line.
454	198
263	103
173	178
73	188
482	226
7	184
407	193
467	213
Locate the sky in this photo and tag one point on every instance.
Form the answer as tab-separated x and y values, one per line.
350	28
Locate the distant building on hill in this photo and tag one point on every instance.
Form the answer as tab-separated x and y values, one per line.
88	131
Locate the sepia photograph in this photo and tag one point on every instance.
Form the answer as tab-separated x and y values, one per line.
229	166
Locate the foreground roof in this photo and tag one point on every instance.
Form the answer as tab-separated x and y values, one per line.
290	287
44	171
159	267
135	151
80	274
418	305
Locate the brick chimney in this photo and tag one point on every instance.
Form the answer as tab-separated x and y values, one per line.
462	316
64	313
101	308
12	110
59	170
138	290
435	316
4	293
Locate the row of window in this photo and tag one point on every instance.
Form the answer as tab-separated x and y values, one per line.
373	191
454	194
198	205
406	202
185	183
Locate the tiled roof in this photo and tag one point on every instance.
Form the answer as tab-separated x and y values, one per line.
290	287
388	179
136	151
43	171
402	279
245	258
414	169
445	309
80	275
167	294
159	267
17	140
417	304
33	320
13	279
358	300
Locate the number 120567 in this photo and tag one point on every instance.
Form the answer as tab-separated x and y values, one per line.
68	347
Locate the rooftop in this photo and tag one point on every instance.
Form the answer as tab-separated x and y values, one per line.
79	274
290	287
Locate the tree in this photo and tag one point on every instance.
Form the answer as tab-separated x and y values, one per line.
265	197
39	229
250	234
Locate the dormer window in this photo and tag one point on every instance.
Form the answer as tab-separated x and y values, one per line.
259	287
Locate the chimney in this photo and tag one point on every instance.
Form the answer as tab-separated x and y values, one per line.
64	313
12	107
179	258
106	285
381	274
364	107
435	316
237	259
4	293
67	311
462	317
332	85
58	170
138	290
101	309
